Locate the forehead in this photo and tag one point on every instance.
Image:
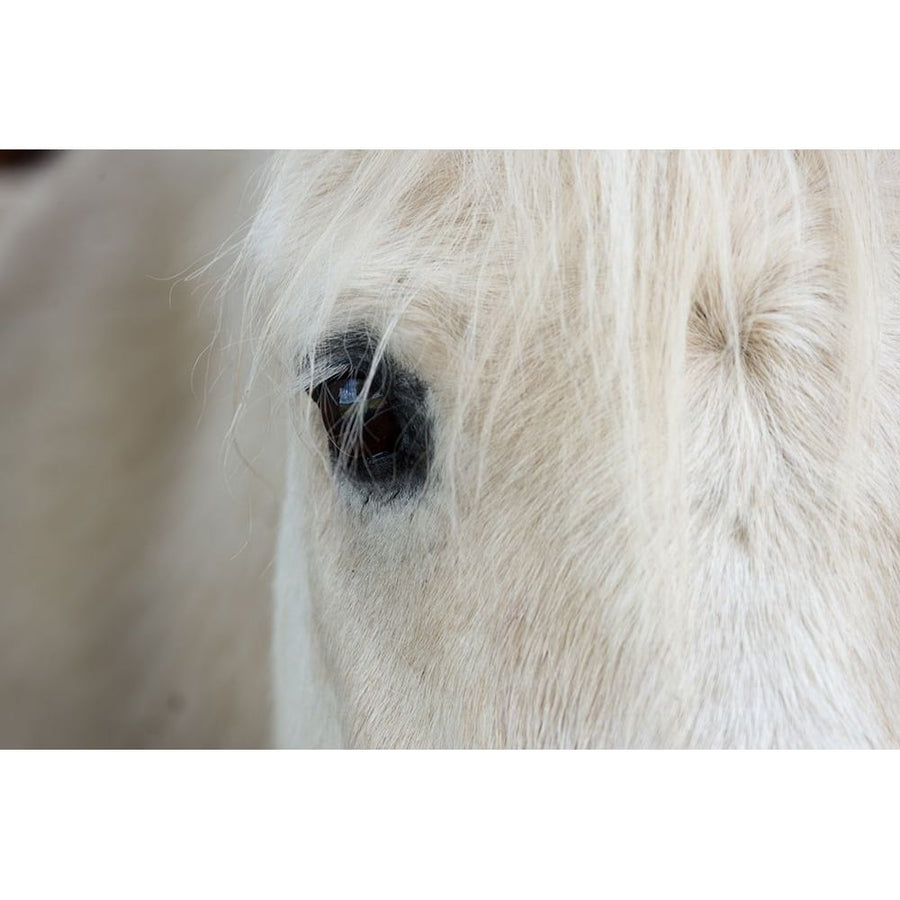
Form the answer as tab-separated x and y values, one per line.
432	247
345	244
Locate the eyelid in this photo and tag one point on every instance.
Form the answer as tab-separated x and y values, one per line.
312	377
374	377
340	360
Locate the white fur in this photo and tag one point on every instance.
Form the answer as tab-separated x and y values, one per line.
664	500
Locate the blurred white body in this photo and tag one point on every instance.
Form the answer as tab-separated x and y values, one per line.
133	590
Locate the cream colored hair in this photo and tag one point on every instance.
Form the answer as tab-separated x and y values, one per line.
663	494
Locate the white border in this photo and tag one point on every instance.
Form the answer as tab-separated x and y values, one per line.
650	74
464	824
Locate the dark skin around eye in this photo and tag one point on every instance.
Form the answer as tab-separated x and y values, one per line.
378	444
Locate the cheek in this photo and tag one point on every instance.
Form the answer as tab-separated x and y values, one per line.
387	603
376	582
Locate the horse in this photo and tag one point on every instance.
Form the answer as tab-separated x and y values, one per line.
584	449
531	449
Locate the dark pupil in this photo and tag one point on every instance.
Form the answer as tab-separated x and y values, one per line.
343	412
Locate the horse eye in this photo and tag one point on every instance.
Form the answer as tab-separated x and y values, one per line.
364	429
377	421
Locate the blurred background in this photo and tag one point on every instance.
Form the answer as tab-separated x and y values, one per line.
136	538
